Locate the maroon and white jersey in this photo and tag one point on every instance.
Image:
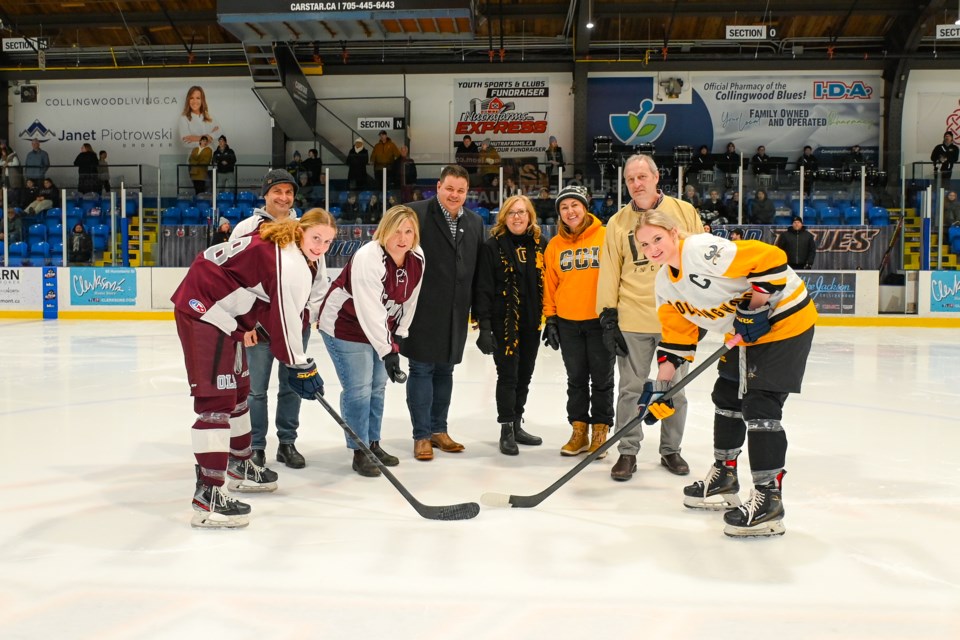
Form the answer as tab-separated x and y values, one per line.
373	299
234	285
321	283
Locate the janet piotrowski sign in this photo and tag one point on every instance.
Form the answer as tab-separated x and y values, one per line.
103	286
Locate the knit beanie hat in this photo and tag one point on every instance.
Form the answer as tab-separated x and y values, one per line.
275	177
576	192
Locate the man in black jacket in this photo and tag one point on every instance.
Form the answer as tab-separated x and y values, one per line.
225	160
799	245
451	236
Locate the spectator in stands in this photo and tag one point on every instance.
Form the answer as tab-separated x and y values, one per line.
577	180
761	162
489	162
36	163
46	197
730	161
81	245
10	165
762	211
732	207
87	165
313	167
406	169
712	210
703	161
545	207
200	158
295	168
350	211
707	228
225	160
357	161
305	194
374	210
799	245
222	234
856	158
14	228
392	200
103	172
944	156
416	195
690	195
195	119
809	163
468	155
29	193
951	210
510	188
737	234
608	208
554	160
384	157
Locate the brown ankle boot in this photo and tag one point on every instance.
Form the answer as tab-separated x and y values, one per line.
579	441
598	437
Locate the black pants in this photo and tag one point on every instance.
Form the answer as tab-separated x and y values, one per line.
589	371
514	373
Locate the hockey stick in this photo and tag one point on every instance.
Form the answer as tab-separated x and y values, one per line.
525	502
462	511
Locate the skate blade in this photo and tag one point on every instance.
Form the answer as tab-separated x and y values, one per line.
240	487
767	529
713	503
204	520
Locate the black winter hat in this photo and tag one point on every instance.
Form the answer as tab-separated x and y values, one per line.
576	192
275	177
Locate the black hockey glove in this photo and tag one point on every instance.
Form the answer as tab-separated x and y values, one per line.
612	338
307	382
752	324
551	333
391	362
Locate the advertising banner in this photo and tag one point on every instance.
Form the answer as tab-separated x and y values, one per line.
50	293
832	293
512	113
945	291
843	248
830	112
20	289
103	286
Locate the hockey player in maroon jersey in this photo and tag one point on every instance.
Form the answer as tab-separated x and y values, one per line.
742	287
264	279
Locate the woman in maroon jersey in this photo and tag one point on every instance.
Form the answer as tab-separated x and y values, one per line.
366	313
258	281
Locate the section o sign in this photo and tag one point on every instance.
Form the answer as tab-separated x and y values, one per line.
749	32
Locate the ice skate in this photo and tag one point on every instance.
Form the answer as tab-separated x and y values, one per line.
716	492
761	516
246	477
216	510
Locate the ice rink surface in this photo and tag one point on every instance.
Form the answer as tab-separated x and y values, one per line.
95	540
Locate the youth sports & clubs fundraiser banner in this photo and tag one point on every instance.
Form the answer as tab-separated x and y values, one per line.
513	113
830	112
99	286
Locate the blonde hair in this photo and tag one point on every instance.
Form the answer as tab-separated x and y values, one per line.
500	228
203	104
392	220
283	232
662	219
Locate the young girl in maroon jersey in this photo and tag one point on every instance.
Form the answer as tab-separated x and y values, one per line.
262	279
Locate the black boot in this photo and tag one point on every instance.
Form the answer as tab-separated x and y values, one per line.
363	465
288	454
508	446
522	437
383	456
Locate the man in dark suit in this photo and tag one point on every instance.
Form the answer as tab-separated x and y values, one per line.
450	236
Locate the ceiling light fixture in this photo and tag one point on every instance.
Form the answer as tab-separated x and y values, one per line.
590	14
958	14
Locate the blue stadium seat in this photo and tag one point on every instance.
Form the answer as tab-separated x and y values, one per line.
101	236
18	254
335	211
247	197
233	214
191	215
485	215
39	254
56	253
782	219
171	216
89	201
851	215
878	216
225	199
830	216
36	233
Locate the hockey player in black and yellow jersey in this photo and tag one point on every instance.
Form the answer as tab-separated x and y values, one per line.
742	287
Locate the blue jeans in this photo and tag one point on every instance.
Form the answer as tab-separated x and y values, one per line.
429	388
363	378
260	361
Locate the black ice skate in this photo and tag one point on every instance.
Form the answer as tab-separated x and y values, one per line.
717	491
216	510
246	477
761	516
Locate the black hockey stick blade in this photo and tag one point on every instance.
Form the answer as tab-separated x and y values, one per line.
462	511
526	502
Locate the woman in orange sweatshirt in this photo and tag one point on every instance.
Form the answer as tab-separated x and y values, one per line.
572	265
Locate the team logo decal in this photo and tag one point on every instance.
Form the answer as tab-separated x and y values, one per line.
197	306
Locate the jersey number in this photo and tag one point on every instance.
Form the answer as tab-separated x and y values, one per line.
220	253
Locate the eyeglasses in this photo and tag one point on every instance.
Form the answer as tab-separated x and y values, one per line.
519	213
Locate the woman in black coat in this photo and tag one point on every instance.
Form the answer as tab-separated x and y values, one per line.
762	210
88	166
508	305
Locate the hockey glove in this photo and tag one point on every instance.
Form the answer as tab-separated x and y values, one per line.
486	342
612	338
391	362
652	391
752	324
551	333
307	382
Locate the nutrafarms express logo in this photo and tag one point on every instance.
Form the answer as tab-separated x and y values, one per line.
637	128
38	132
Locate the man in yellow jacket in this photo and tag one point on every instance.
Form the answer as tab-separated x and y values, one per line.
628	313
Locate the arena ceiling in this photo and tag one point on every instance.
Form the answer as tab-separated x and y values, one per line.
100	34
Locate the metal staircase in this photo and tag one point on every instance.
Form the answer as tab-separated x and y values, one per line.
263	64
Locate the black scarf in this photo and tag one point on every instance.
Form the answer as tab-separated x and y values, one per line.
511	289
